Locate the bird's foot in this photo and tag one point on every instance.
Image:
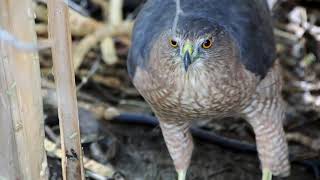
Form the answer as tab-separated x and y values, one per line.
266	174
182	175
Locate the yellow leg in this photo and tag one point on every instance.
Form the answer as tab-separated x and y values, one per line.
182	175
267	174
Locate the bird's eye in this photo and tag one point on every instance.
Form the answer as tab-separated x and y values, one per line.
207	43
173	43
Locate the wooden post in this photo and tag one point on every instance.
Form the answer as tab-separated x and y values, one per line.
22	154
59	34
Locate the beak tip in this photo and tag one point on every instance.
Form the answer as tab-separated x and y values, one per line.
186	68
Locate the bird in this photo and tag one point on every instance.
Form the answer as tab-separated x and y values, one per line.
209	59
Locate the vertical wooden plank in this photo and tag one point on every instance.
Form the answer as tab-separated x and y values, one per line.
9	164
59	33
21	101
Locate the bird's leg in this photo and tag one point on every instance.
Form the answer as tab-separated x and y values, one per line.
179	143
182	174
266	118
266	174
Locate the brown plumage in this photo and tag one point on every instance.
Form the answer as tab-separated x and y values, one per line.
220	81
178	101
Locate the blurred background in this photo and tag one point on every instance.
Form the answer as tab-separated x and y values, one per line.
125	149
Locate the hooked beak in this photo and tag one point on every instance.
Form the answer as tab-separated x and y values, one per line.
187	60
187	55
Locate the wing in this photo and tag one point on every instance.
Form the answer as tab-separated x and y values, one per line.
249	22
155	17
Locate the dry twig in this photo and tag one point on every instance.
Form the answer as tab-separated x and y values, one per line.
91	165
92	39
80	25
304	140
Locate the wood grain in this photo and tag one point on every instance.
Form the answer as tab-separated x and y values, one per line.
22	151
59	33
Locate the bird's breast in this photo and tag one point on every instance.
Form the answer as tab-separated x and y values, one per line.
191	97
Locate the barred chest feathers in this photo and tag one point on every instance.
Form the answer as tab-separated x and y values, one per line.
194	94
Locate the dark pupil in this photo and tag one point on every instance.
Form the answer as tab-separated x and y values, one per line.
207	43
174	43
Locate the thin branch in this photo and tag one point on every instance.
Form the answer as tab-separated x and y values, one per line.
309	142
92	39
89	164
72	5
92	71
115	12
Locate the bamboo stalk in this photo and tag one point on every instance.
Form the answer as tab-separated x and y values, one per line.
59	33
22	151
7	139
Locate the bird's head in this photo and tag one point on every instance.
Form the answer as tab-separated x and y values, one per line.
190	51
195	43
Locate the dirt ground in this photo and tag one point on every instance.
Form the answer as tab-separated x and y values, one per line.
143	156
138	152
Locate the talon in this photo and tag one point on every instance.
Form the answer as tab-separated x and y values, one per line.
267	174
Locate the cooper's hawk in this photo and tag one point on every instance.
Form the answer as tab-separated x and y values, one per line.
216	60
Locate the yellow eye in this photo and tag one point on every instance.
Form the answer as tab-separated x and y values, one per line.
207	43
173	43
